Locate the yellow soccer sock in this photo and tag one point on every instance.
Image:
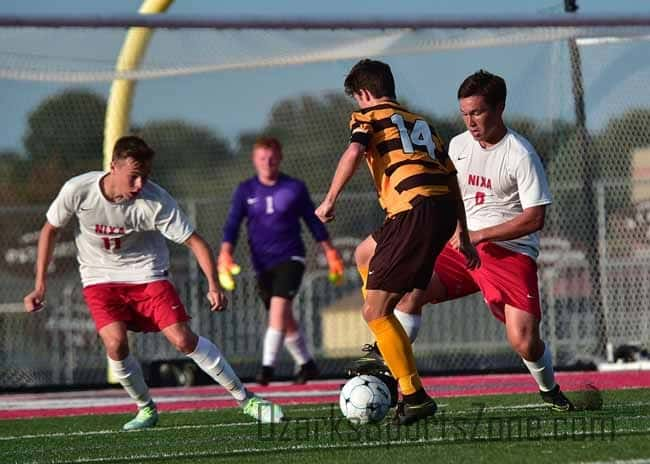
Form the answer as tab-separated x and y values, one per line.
363	272
396	350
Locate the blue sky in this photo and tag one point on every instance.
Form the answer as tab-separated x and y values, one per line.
232	102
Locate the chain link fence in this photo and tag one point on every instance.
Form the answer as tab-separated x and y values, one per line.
594	267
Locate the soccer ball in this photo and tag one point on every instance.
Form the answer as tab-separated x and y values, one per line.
365	398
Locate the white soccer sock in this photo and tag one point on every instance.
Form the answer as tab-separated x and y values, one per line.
272	345
410	322
208	357
542	370
129	374
297	347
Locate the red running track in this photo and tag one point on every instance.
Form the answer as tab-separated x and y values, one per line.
113	401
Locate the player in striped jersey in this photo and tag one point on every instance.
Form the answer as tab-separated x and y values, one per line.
417	187
506	194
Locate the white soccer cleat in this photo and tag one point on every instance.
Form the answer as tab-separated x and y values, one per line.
263	410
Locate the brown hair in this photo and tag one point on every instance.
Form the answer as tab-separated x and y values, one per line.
484	84
131	146
373	76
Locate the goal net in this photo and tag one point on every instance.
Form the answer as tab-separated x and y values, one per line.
578	93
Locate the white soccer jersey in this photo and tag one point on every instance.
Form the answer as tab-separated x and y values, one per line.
498	183
120	242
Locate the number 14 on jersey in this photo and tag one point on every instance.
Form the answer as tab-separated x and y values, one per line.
420	135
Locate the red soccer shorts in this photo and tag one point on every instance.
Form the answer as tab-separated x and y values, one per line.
146	307
504	278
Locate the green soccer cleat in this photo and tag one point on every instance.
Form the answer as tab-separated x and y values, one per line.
262	410
147	417
556	400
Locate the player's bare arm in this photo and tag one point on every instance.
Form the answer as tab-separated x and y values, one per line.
529	221
35	300
461	239
205	258
348	164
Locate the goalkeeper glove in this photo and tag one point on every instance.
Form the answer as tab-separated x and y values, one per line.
227	268
335	263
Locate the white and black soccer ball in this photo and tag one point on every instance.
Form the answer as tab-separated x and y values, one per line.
365	398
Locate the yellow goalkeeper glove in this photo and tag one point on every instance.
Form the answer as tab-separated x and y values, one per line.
335	263
227	269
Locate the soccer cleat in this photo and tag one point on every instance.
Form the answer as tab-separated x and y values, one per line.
308	371
372	362
409	413
264	375
262	410
147	417
556	400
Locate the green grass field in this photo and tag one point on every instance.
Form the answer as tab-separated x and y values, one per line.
504	429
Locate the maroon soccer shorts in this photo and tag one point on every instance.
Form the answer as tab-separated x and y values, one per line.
146	307
504	278
408	244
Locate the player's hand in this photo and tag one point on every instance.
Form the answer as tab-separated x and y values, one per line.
336	266
325	212
464	244
468	250
34	301
454	241
227	268
217	299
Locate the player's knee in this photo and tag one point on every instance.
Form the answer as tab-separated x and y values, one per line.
525	344
410	304
116	348
369	313
184	341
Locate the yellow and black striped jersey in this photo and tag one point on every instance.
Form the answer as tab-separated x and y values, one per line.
405	155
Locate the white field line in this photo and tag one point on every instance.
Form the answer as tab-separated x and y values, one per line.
125	401
114	432
303	447
466	413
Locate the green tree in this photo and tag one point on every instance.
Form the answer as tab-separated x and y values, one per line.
314	131
14	170
190	159
619	139
68	126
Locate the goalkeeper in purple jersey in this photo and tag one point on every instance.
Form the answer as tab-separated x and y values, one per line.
273	204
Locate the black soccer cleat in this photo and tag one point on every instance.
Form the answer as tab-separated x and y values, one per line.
264	376
371	363
556	400
408	413
308	371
